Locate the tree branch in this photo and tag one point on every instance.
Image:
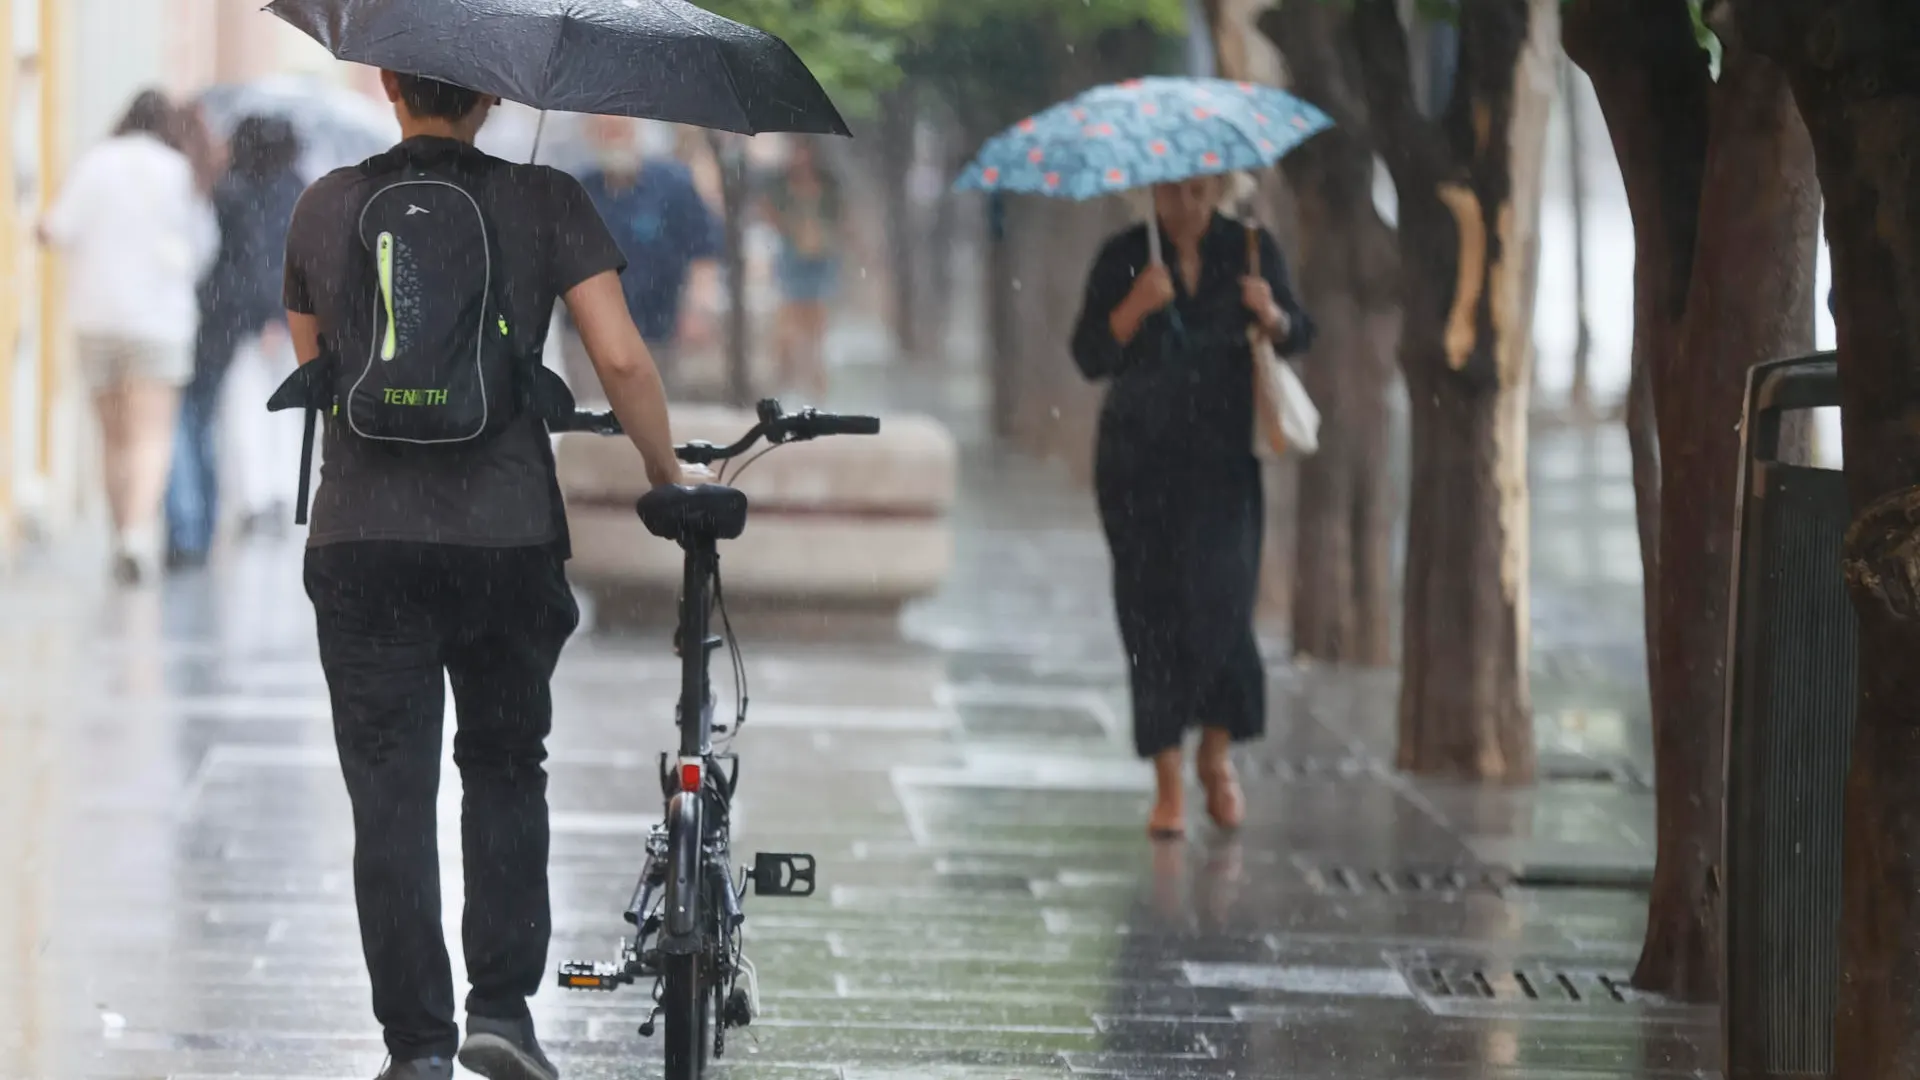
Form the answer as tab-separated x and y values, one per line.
1414	150
1322	61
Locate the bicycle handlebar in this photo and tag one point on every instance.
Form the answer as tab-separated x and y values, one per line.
775	426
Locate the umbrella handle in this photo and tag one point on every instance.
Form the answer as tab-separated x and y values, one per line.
1153	239
539	129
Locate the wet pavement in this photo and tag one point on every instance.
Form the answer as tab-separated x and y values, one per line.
176	897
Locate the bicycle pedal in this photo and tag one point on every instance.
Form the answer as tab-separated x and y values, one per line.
580	975
783	875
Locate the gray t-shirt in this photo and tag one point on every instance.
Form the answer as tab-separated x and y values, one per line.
498	493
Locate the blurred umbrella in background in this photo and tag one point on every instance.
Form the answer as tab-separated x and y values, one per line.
336	126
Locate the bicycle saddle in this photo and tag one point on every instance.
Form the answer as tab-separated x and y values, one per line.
706	511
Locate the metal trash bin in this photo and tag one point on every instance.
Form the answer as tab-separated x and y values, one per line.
1790	710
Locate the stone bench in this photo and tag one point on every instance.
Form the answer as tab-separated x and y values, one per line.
857	523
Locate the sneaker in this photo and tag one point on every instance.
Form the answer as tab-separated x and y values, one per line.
505	1050
138	555
428	1068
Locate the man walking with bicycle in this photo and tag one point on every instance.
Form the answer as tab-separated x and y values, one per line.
423	282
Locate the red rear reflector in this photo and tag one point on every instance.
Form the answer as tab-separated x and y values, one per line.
690	776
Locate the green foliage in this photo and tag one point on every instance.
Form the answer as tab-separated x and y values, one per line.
852	46
860	48
1074	18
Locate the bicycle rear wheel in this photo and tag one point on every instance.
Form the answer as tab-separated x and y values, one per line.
688	1009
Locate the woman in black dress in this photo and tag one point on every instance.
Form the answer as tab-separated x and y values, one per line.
1178	485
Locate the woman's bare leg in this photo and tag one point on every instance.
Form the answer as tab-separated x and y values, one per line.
1226	805
110	407
140	456
1168	819
153	410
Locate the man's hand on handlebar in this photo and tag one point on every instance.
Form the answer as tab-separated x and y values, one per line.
665	473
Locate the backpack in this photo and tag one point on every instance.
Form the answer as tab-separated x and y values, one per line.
436	362
430	359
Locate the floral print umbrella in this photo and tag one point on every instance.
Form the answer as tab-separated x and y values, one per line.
1140	132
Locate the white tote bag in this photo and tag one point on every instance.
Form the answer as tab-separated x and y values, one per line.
1285	419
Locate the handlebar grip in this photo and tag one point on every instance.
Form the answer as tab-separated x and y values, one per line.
597	423
825	424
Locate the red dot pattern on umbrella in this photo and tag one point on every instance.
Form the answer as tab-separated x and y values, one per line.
1261	119
1116	176
1203	114
1245	87
1034	155
1301	122
1158	149
990	174
1079	115
1148	108
1210	159
1266	146
1052	180
1097	131
1028	124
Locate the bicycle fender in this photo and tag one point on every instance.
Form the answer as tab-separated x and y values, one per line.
682	898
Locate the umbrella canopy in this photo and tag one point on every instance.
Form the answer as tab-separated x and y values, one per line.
655	59
1141	132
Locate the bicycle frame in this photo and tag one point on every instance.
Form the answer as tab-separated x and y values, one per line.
702	561
697	862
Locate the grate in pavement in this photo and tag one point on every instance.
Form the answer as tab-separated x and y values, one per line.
1342	880
1520	986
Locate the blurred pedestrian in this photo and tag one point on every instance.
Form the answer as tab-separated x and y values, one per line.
670	238
1178	485
804	203
239	303
194	138
137	235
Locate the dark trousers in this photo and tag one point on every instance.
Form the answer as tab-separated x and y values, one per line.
397	621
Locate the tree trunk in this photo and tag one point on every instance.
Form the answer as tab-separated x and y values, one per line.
733	257
1580	394
1751	300
1469	192
1342	600
896	155
1858	88
1720	180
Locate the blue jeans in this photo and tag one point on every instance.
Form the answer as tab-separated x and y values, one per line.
193	484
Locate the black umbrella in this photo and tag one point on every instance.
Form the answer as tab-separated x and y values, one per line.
655	59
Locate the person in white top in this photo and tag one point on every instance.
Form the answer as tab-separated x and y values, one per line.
137	234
